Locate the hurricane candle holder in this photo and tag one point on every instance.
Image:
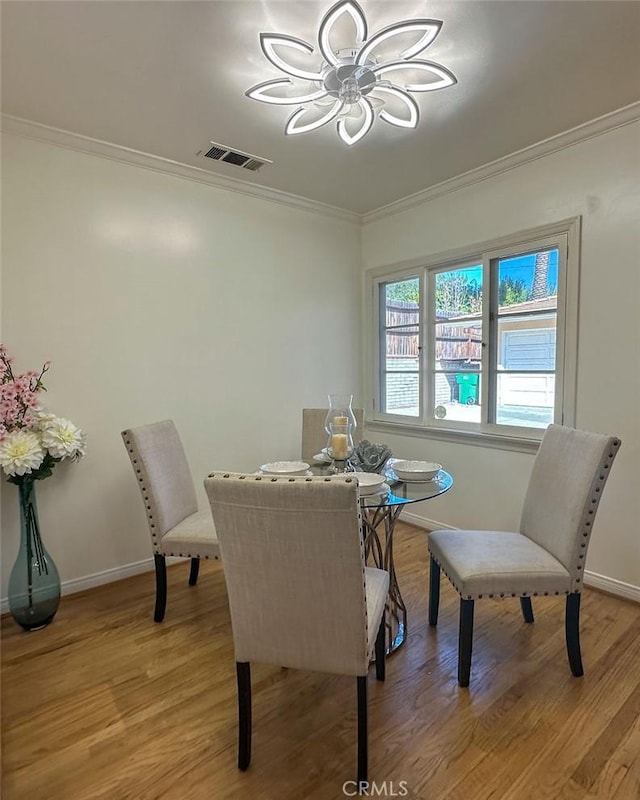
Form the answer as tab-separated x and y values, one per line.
340	412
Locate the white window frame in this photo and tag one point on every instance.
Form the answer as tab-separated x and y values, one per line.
565	235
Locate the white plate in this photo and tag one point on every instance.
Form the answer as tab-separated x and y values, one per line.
285	468
322	458
369	482
418	480
379	490
416	471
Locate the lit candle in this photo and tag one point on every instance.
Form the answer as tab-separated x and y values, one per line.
339	446
340	420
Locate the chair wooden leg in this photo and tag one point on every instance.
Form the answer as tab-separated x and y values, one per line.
527	609
161	587
465	641
363	754
243	674
193	573
572	630
434	591
381	651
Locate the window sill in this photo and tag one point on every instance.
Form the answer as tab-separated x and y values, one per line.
474	438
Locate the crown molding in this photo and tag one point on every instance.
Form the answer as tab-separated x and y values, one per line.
125	155
581	133
85	144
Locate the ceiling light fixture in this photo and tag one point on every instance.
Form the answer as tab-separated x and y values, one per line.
348	84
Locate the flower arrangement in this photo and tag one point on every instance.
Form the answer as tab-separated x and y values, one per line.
32	442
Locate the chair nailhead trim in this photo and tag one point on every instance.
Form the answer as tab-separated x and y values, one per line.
605	465
480	596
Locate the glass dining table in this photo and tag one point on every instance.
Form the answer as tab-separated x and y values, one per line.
380	512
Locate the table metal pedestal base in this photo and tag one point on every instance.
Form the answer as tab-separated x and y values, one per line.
381	554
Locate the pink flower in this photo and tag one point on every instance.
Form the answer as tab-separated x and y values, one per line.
8	391
31	442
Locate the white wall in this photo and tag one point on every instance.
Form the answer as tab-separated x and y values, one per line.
598	179
158	297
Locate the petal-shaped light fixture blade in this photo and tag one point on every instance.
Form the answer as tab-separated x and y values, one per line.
349	7
261	92
430	28
269	42
446	78
365	125
295	125
414	112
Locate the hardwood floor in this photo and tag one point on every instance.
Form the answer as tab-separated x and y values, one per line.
106	704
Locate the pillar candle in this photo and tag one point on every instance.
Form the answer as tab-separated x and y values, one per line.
339	446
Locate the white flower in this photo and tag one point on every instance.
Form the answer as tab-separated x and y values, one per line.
43	418
62	439
21	452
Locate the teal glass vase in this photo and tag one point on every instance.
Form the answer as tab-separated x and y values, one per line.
34	583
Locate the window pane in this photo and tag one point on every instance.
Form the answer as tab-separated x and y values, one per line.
459	293
457	396
458	344
526	342
402	393
400	352
402	302
528	282
458	323
402	349
525	399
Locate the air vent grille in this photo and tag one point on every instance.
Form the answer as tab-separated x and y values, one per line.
215	152
220	152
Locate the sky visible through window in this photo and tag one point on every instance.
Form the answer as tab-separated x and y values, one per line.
520	268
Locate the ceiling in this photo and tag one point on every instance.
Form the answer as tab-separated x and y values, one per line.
166	78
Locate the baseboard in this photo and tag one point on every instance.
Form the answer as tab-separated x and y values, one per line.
593	579
612	586
422	522
96	579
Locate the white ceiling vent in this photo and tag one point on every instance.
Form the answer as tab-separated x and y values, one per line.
220	152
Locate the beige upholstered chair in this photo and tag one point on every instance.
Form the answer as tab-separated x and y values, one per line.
546	556
314	436
176	526
299	592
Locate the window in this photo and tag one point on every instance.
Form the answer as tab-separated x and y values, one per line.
482	342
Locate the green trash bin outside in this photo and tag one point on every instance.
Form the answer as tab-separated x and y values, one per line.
467	388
